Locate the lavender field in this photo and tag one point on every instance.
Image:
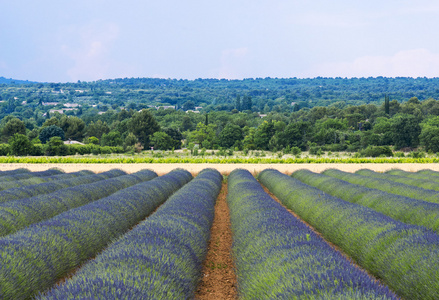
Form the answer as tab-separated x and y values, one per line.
296	235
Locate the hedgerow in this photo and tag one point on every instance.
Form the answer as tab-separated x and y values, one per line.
161	258
279	257
34	258
20	213
404	209
405	256
385	185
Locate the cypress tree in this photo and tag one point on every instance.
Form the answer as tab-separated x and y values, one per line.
238	103
387	105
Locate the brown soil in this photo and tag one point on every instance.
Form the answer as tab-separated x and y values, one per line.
218	279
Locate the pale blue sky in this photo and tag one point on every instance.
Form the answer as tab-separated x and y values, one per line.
61	40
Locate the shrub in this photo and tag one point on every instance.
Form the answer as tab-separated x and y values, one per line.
376	151
20	145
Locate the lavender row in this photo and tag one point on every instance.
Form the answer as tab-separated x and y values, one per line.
418	182
385	185
18	214
161	258
404	209
35	258
42	179
405	257
416	175
279	257
77	178
14	172
27	175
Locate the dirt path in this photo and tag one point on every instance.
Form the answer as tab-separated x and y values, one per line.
219	280
222	168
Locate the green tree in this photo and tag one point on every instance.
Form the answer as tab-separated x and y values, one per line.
394	107
56	146
263	134
387	105
113	138
247	103
92	140
176	137
97	129
51	121
188	105
51	131
293	135
73	127
130	140
143	125
186	123
249	138
204	136
405	130
238	102
383	127
20	145
12	127
230	135
429	137
161	140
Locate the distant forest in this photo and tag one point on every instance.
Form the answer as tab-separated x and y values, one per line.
334	114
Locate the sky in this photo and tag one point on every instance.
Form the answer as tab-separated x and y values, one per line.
88	40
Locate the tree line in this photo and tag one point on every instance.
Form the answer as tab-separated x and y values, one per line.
338	127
